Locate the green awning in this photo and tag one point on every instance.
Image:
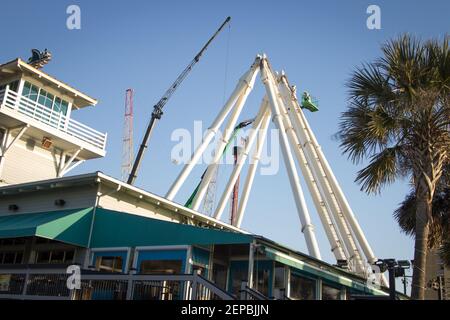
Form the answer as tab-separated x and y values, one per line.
119	229
69	226
111	229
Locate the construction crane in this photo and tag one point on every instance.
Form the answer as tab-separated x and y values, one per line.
127	139
158	108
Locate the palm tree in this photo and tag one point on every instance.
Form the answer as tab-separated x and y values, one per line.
399	117
439	236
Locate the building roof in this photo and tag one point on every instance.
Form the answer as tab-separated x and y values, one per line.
100	178
81	100
103	228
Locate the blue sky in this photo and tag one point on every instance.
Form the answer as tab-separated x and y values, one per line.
145	44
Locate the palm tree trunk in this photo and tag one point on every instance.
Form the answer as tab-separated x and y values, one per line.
423	211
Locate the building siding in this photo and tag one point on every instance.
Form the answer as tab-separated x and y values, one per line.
44	200
120	201
22	164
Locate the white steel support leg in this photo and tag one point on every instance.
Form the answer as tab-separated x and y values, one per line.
347	211
322	210
219	150
262	134
262	116
307	227
299	122
243	88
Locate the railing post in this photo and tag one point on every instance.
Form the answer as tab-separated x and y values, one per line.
104	140
5	97
25	283
243	290
130	286
194	286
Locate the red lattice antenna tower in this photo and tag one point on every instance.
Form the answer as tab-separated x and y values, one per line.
127	142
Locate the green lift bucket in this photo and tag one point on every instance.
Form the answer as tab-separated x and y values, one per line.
309	103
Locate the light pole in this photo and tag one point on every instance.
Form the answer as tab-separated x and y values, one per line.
395	269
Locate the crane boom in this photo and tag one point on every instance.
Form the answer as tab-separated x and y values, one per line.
157	109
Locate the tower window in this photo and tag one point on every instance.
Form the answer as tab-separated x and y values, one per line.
45	98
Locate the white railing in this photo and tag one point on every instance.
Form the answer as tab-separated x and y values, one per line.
54	119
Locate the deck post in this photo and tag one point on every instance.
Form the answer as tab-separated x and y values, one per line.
251	263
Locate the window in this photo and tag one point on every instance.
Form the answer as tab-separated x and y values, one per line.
220	276
302	288
238	276
45	98
161	266
109	263
330	293
262	280
60	106
30	91
55	256
11	257
43	257
279	286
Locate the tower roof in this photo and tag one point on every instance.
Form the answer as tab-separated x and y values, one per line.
16	66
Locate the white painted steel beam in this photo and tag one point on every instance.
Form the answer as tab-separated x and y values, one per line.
219	150
262	134
244	87
307	227
330	230
261	117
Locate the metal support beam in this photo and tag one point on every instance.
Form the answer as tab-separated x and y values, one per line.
332	234
244	87
219	150
262	134
262	115
305	219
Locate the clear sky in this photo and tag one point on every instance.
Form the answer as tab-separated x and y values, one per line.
145	44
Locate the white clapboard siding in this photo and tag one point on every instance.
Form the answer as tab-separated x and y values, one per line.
125	203
44	200
23	165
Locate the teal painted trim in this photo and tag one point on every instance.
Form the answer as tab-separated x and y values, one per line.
123	254
152	255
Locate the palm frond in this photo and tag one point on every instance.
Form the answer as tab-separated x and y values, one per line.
365	130
405	214
383	169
